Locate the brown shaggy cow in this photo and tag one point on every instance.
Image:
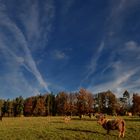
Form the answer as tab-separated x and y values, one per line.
67	119
112	124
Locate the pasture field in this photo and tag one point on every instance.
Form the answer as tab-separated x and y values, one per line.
54	128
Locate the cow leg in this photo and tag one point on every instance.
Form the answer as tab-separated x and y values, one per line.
108	131
122	134
123	130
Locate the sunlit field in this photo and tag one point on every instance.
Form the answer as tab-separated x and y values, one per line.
54	128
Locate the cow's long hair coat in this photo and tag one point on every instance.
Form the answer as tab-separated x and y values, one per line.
112	124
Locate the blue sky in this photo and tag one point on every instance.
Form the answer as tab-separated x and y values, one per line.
56	45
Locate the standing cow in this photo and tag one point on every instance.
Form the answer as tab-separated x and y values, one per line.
67	119
112	124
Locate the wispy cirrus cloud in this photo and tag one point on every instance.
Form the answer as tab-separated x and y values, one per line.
122	56
93	63
16	45
112	26
94	60
118	84
119	10
125	71
30	20
38	27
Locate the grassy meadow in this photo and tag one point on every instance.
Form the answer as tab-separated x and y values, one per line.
54	128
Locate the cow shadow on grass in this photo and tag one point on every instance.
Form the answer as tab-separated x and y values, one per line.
87	131
81	130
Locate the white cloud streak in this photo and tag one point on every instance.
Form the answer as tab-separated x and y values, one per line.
123	68
117	85
94	60
123	73
38	27
32	29
93	64
119	10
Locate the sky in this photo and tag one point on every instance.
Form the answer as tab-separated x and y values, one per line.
64	45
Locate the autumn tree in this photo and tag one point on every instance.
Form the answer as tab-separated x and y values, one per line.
1	105
28	106
61	103
72	104
84	101
10	108
39	106
136	104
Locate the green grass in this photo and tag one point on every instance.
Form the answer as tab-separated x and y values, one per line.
54	128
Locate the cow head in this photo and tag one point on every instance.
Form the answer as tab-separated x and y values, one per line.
100	119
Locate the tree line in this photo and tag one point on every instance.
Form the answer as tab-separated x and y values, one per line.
79	103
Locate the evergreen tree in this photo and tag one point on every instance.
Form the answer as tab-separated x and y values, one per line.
5	107
50	104
126	96
18	106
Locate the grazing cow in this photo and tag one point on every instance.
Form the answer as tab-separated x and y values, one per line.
67	119
81	116
89	115
129	113
112	124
